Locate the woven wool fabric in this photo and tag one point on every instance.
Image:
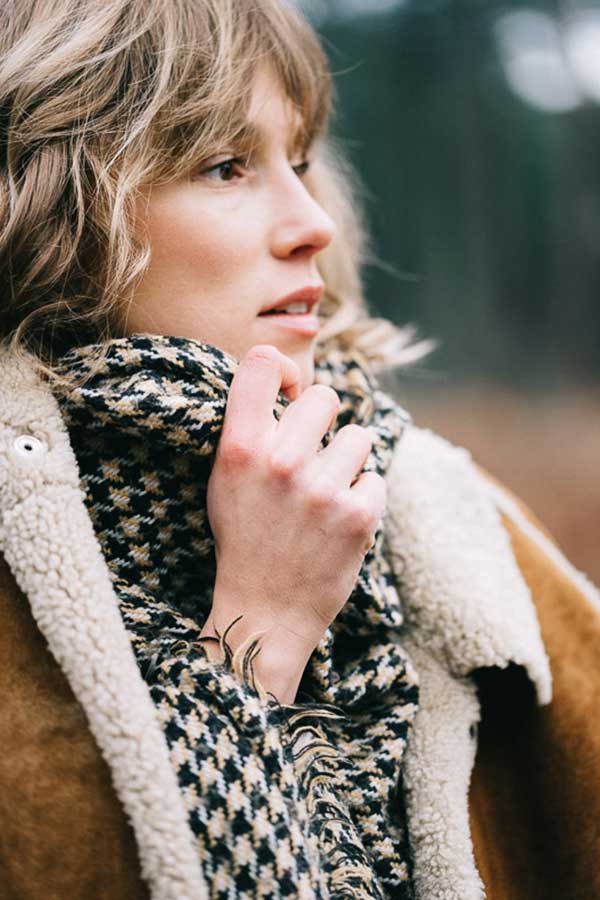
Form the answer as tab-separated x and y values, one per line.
285	800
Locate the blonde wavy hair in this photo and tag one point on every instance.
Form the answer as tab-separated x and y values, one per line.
101	97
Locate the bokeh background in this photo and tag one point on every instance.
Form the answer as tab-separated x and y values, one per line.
474	126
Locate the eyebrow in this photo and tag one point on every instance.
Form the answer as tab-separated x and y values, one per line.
250	135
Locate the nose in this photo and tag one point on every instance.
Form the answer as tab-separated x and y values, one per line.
303	227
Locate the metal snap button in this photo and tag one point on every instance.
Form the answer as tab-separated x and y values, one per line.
29	446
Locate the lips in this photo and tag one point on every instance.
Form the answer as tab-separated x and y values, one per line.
304	325
310	295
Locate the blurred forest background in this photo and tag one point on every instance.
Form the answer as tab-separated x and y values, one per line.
474	126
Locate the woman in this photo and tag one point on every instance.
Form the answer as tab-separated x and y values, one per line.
251	619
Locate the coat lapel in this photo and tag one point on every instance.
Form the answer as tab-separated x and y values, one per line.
467	608
47	539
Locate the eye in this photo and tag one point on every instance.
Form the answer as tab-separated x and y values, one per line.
302	168
226	170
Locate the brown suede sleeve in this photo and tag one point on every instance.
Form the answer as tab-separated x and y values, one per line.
535	792
63	833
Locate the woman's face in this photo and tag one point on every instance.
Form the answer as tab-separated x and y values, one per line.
233	240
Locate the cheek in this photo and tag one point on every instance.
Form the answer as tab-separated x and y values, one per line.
212	242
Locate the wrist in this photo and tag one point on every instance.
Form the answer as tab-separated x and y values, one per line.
278	666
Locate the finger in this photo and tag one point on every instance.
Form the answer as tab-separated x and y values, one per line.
347	453
372	490
261	374
304	422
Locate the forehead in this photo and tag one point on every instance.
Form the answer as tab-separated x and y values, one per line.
271	113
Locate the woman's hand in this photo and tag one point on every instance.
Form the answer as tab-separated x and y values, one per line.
291	523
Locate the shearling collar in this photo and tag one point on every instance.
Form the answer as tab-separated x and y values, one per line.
465	598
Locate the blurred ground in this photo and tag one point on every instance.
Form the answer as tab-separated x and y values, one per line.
545	449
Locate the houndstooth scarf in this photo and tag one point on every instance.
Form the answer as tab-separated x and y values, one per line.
297	800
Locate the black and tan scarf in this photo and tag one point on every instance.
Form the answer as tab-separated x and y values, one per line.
297	800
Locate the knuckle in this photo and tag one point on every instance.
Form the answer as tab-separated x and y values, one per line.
283	468
363	518
236	454
321	494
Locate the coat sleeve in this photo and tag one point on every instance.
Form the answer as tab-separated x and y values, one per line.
535	793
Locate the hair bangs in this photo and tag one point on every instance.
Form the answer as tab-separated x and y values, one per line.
213	76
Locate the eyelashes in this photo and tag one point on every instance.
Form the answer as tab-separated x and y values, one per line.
228	170
225	170
302	168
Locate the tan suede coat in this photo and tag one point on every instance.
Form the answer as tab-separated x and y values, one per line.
535	793
72	830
